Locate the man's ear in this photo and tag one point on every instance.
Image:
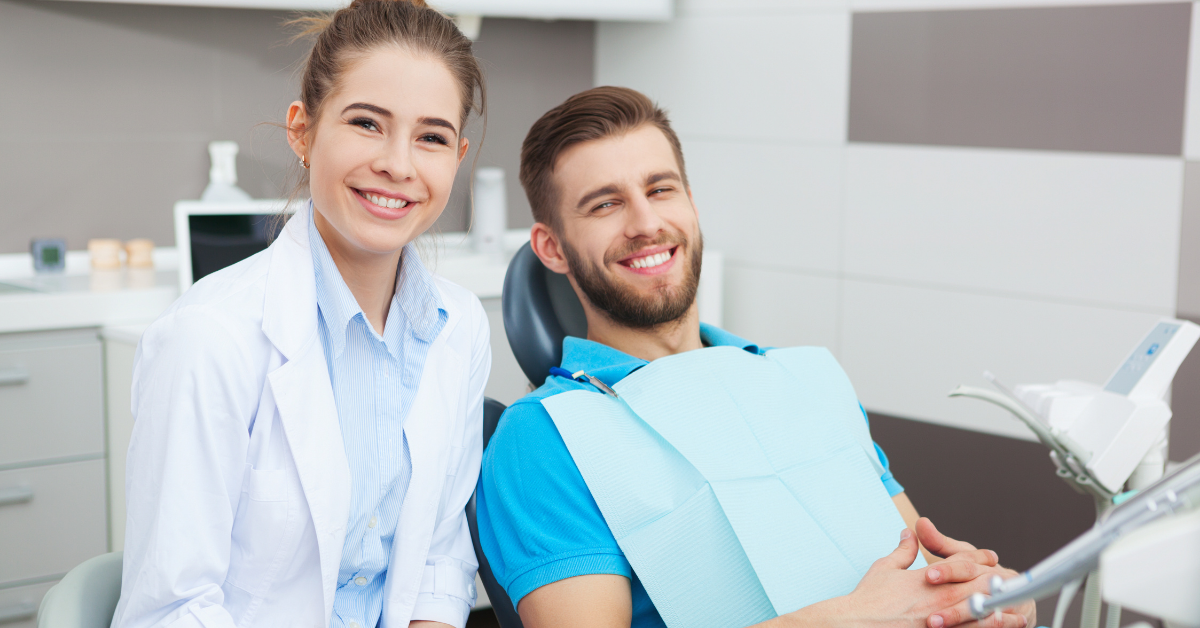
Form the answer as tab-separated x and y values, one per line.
297	129
547	246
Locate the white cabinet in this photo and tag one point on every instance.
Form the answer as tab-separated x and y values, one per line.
53	498
51	397
619	10
18	605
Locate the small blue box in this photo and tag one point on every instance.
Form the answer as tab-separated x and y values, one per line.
49	254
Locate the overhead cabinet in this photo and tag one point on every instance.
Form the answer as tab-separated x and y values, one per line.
618	10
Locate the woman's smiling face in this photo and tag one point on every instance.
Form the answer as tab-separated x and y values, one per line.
384	151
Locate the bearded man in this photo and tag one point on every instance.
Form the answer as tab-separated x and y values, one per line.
671	473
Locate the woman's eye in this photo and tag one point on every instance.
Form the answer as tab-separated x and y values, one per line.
435	138
365	123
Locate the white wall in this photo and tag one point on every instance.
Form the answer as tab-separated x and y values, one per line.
918	266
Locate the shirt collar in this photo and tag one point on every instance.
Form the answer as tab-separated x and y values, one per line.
611	366
415	294
419	297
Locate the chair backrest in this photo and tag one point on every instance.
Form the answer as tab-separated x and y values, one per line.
501	604
86	597
540	309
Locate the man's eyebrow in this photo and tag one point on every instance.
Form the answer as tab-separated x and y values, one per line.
666	175
590	196
438	122
369	107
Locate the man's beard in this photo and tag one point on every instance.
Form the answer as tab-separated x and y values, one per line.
625	306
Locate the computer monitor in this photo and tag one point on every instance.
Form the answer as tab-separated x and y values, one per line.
211	236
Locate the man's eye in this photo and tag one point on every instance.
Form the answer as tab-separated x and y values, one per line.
365	123
604	205
658	190
435	138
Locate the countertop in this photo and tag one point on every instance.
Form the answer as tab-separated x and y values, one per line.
124	301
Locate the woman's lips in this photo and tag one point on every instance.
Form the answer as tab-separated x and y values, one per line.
383	211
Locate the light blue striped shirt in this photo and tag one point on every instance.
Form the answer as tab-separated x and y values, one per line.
375	379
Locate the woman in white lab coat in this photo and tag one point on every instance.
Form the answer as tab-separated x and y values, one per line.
308	420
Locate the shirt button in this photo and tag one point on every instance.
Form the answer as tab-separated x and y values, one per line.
354	624
360	581
373	522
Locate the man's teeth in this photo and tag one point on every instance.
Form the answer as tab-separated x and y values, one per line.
650	261
383	201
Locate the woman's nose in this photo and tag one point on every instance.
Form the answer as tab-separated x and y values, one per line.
395	160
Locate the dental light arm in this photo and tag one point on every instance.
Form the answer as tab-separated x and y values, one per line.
1176	492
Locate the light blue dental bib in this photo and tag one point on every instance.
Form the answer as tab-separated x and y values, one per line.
739	486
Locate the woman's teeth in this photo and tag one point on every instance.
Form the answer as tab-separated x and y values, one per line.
650	261
383	201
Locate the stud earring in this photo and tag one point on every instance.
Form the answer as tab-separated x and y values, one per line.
303	162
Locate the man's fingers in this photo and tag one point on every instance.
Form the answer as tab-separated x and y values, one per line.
954	571
959	615
980	557
938	543
998	620
903	555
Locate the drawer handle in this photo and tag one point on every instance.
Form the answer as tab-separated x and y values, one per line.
17	612
14	376
15	495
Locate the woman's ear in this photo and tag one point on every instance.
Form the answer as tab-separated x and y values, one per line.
463	145
546	246
297	129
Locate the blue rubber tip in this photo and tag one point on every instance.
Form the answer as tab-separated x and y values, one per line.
1117	499
560	372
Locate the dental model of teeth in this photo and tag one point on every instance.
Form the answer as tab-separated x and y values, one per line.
650	261
383	201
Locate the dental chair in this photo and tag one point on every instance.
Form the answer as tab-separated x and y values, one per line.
540	309
502	606
86	597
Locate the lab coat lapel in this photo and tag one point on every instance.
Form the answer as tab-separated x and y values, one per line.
304	395
429	427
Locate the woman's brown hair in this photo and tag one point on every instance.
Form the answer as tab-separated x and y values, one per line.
351	33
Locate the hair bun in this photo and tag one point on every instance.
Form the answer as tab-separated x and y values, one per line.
420	4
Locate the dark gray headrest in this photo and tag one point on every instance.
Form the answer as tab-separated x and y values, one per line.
540	309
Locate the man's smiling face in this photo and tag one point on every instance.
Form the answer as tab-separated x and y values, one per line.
629	229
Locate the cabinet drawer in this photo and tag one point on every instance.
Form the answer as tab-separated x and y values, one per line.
18	605
51	396
53	518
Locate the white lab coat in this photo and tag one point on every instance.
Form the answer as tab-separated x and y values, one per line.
238	489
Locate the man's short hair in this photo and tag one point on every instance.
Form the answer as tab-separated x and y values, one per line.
595	114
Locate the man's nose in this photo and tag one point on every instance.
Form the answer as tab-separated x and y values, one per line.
642	219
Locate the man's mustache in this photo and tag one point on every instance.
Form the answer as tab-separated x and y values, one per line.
667	239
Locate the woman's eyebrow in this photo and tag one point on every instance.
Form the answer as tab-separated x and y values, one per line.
369	107
438	122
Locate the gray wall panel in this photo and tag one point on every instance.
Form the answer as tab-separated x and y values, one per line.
1187	301
1098	78
107	110
531	67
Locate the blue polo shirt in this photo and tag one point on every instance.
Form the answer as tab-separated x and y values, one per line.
538	523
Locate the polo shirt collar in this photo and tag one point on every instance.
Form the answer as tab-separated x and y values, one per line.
611	366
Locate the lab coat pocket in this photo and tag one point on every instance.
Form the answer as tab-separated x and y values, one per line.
258	528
